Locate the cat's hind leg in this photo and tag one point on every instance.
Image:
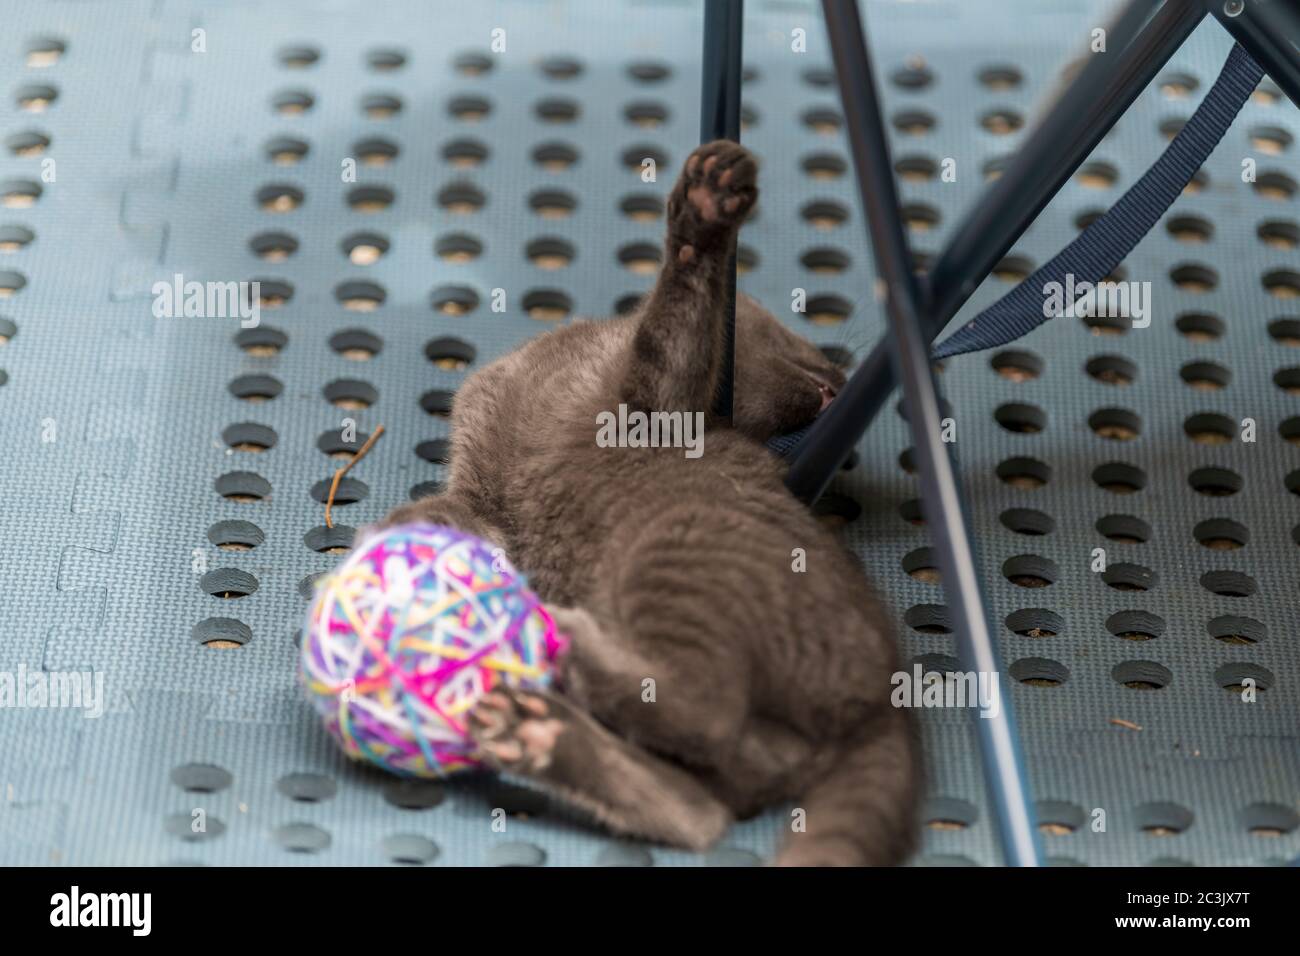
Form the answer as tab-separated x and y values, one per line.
674	363
547	739
665	683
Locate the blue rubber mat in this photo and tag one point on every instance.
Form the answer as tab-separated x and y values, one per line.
161	515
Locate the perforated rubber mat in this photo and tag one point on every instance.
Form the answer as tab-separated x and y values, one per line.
161	515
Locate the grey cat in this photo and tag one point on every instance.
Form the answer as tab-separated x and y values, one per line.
708	675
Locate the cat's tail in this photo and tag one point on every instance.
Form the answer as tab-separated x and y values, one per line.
862	812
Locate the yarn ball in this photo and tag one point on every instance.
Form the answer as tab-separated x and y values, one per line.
408	634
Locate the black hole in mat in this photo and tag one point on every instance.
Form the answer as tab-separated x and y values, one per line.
1200	326
1279	234
1233	676
1119	478
1058	818
437	451
201	778
222	632
461	198
1030	571
1111	369
1221	534
335	540
301	837
1287	379
1142	675
384	60
1282	283
280	198
228	583
307	787
350	393
255	388
1130	577
1020	418
1124	529
914	76
350	491
1018	366
236	535
913	169
261	342
949	813
469	108
356	344
465	153
249	436
437	402
1163	819
1024	473
824	166
1039	672
1035	622
911	512
333	442
242	486
1135	625
929	619
409	848
824	214
286	150
363	249
649	71
450	353
1205	376
1215	482
1232	629
1268	819
454	299
1210	428
1116	424
557	110
472	64
547	305
1027	521
1233	584
517	801
414	794
921	565
380	105
561	67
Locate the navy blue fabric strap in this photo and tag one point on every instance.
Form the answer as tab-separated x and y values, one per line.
1101	247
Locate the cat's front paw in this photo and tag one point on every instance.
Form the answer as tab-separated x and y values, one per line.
716	191
515	731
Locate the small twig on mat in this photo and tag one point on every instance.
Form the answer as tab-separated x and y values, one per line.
1118	722
338	475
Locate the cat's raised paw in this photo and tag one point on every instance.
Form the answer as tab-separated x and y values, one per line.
717	189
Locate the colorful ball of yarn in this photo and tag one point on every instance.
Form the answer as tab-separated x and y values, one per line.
406	636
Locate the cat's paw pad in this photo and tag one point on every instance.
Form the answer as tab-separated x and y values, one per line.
718	184
515	731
